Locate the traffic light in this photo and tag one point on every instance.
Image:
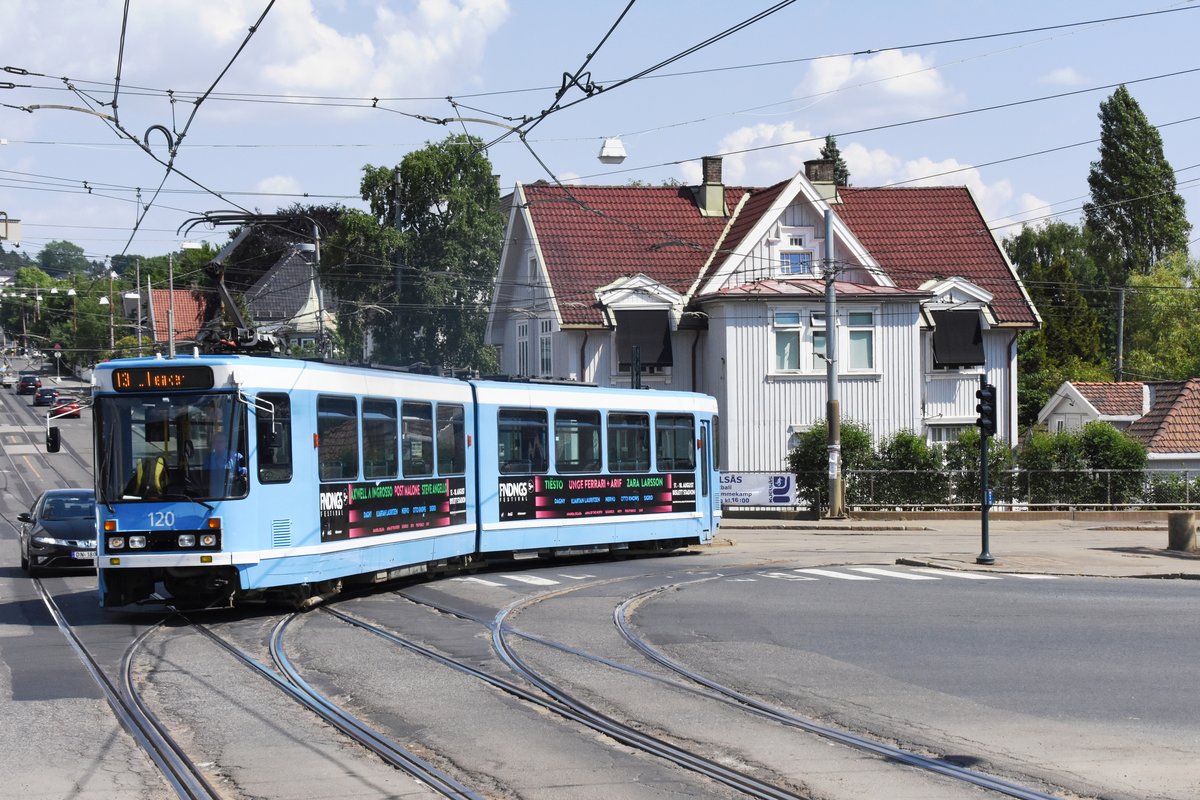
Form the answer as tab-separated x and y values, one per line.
987	409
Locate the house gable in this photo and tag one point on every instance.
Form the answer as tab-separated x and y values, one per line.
763	224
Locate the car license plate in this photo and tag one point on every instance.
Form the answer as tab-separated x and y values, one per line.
83	554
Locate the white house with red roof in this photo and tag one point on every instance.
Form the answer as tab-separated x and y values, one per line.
722	290
1076	403
1162	415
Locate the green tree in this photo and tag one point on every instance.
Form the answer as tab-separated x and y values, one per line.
1065	286
1117	462
1135	215
962	467
831	152
444	203
809	461
1160	317
62	258
909	472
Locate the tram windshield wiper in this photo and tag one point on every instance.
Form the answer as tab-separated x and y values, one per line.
188	498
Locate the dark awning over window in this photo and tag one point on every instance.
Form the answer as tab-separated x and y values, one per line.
648	329
957	339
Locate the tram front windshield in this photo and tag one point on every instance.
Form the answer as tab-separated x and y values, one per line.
173	447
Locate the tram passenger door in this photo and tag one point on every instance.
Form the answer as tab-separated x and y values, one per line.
706	494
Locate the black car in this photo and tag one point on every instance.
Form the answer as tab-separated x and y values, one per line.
45	397
59	532
28	383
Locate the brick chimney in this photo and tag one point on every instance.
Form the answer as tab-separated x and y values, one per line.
710	195
820	173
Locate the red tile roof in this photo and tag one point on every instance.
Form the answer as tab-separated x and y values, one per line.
591	236
1123	399
923	232
189	313
1173	423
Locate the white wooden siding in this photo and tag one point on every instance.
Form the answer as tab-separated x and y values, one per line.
759	409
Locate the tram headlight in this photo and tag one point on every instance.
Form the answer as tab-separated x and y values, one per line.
116	543
187	540
208	540
137	542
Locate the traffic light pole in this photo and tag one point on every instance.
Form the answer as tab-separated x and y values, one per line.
987	426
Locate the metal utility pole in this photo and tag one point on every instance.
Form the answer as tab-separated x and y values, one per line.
138	285
170	305
316	273
1121	334
833	404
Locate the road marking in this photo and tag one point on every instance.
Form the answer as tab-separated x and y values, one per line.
950	573
826	573
787	576
887	573
1032	577
575	577
533	579
470	579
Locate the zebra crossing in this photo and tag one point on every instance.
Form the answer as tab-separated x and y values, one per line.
852	573
840	573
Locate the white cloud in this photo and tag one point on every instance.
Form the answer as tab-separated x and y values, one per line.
279	184
893	76
761	167
1063	76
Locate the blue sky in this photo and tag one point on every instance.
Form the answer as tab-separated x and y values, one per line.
762	96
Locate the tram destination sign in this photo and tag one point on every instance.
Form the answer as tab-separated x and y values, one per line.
159	379
563	497
355	510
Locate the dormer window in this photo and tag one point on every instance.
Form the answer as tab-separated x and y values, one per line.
794	253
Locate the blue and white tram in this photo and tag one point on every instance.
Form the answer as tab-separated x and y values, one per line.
233	477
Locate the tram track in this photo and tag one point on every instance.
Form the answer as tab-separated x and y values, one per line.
286	678
699	685
183	775
563	704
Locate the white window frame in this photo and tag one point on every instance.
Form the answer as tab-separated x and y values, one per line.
807	327
945	434
795	242
545	348
787	323
859	327
523	347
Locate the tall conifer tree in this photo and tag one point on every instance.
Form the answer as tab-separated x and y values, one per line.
1135	216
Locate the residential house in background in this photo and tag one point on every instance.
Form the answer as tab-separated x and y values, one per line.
721	290
286	301
154	306
1162	415
1076	403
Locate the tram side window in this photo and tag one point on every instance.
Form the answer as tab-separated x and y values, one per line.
628	442
521	440
451	440
337	438
416	439
576	441
379	438
675	443
274	433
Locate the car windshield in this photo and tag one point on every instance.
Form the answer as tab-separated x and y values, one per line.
69	507
184	445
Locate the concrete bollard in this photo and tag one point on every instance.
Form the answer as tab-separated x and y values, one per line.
1181	531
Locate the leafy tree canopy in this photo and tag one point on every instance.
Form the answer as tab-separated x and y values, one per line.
61	258
1161	310
419	268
